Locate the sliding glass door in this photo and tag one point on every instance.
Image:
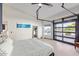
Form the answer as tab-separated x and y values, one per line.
64	30
58	30
69	31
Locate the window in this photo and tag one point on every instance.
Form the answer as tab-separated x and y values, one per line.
47	30
64	30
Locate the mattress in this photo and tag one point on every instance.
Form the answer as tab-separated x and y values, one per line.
31	47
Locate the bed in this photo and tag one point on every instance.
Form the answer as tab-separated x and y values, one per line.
31	47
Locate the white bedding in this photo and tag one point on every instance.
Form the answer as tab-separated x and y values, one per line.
6	47
31	47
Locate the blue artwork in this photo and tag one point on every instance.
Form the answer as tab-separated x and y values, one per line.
23	26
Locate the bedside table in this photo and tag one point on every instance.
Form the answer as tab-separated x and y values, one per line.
77	44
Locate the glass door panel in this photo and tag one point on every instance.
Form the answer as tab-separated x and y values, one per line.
69	29
68	40
69	24
58	33
58	38
72	35
58	29
58	25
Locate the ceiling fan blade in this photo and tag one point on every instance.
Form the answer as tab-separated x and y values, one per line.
48	4
34	3
62	5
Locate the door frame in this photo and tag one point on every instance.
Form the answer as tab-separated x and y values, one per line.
33	28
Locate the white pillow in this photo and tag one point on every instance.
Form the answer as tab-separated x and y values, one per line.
3	37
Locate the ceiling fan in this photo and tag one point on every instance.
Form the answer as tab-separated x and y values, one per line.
40	4
49	4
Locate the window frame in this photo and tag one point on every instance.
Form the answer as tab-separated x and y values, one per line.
64	21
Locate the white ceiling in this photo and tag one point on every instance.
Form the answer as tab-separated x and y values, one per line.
45	12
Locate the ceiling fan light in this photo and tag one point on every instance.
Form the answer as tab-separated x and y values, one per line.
39	4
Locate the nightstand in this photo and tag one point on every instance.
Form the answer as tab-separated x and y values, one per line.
77	44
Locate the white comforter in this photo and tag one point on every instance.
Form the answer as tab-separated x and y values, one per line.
6	47
31	47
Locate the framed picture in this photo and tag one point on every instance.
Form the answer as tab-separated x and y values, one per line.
23	25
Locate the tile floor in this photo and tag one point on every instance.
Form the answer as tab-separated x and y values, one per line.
62	49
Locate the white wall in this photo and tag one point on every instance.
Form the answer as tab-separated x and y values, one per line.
12	17
23	33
